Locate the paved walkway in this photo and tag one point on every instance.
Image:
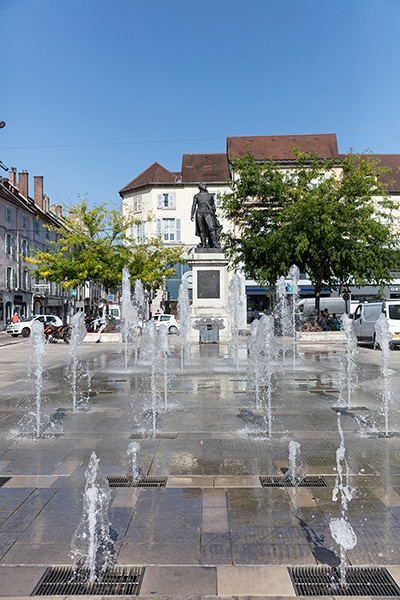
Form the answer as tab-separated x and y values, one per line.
213	530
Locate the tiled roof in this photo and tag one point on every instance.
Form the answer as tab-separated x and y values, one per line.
210	168
280	147
153	174
391	161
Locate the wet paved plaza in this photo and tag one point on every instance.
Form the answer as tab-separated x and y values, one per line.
214	530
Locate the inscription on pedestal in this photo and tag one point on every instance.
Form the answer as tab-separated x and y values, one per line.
208	285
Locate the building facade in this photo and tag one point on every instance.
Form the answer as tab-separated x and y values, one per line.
167	197
26	225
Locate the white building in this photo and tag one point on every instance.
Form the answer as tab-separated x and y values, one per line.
168	196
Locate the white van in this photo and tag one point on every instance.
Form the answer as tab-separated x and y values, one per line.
366	315
114	312
306	307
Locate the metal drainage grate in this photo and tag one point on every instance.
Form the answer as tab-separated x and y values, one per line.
124	481
4	480
115	581
308	481
326	581
158	436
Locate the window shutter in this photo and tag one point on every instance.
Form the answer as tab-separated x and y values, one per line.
159	201
178	230
171	200
159	228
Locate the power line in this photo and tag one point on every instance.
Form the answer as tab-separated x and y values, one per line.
109	144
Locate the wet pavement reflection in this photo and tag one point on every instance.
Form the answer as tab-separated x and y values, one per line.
212	442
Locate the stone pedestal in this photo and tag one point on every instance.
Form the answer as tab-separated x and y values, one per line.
209	321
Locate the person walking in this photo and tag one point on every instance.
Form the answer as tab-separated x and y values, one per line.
100	324
15	317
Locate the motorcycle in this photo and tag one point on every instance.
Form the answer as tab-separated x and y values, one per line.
54	333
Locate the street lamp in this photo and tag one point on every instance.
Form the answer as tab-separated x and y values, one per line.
2	165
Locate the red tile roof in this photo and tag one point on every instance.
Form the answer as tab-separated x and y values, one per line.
210	168
280	147
153	174
392	161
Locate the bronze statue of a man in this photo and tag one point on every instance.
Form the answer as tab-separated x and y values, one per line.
208	228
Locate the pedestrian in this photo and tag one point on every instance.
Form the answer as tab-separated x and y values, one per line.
323	323
336	324
100	324
15	317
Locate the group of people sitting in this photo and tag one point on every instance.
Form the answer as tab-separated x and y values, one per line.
329	323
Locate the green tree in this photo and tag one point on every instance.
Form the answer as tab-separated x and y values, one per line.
333	220
94	245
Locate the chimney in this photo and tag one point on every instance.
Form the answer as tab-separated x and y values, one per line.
38	190
23	183
12	176
58	210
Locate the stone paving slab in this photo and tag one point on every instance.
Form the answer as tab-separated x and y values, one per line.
213	530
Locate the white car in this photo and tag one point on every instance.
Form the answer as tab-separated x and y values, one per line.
168	321
23	327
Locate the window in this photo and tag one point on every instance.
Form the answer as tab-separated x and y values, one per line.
24	248
10	245
217	200
169	230
25	280
166	201
24	222
137	204
138	232
8	214
11	280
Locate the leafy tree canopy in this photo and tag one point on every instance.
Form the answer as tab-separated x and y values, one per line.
94	245
333	220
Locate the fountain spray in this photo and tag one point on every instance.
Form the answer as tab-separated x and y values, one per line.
341	530
75	369
184	320
348	365
36	368
383	337
92	548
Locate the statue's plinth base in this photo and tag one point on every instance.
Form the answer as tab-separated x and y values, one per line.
209	322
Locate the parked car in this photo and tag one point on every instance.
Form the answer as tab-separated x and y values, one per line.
23	327
366	315
168	321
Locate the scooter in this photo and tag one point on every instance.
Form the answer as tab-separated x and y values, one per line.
54	333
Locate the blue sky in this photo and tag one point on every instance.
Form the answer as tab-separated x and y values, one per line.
94	91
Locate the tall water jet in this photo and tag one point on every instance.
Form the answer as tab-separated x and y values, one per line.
149	356
184	321
383	337
294	276
165	352
262	350
281	311
35	372
129	315
235	307
348	363
297	466
77	371
92	548
340	528
135	468
139	302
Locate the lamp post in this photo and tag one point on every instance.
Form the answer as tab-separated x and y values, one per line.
2	165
